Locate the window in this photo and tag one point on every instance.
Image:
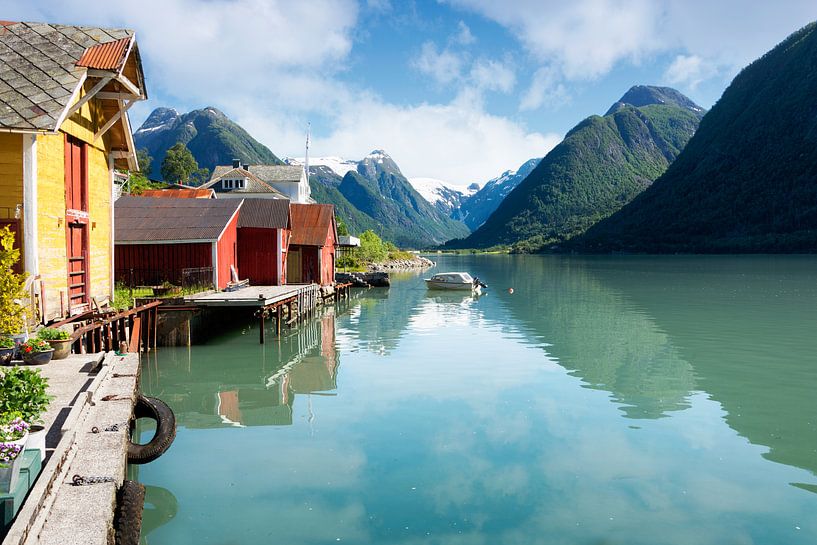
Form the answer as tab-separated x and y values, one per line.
227	184
240	184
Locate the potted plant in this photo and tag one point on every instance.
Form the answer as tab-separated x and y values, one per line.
13	436
24	393
59	339
36	352
7	346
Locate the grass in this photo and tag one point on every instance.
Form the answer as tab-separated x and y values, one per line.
123	296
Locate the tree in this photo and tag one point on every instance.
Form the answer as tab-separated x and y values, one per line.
372	249
179	164
145	161
342	229
11	285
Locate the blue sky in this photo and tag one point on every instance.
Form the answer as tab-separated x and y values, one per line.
453	89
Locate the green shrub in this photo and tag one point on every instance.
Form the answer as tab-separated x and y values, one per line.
24	392
11	285
53	334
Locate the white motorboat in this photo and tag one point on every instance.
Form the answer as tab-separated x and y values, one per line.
454	281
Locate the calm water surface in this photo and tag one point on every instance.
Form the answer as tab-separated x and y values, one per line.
615	400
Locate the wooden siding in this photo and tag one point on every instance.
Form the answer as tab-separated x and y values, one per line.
153	264
11	173
227	251
258	251
328	259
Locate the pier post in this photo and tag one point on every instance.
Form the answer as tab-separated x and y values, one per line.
261	324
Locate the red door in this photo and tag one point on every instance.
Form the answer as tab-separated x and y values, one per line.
76	217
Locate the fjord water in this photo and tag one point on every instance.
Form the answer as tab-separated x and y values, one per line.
632	400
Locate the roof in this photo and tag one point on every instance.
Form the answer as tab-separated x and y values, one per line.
267	173
152	219
254	184
311	223
39	72
179	193
265	213
45	67
106	56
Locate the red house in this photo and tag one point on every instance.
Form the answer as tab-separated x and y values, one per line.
263	232
182	241
311	254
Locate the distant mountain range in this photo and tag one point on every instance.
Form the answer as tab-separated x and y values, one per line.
476	209
373	194
443	196
747	181
211	137
601	165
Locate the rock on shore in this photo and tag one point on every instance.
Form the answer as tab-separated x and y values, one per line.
417	262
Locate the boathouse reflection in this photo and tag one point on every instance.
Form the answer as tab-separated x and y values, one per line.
241	384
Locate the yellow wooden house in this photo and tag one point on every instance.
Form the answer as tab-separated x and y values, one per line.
64	96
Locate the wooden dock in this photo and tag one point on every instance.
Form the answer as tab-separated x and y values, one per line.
288	303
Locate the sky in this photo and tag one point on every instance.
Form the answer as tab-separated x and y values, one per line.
459	90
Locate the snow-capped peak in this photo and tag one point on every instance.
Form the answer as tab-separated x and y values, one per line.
159	119
338	165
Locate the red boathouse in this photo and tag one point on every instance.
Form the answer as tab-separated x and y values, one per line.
181	241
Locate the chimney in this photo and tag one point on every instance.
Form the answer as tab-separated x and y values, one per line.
236	163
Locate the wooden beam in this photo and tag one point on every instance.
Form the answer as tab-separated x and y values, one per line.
110	95
89	95
128	84
122	109
135	334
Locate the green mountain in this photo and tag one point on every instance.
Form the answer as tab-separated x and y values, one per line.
747	181
601	165
324	182
211	136
377	189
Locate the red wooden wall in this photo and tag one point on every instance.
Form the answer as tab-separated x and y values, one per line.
153	264
328	259
227	250
258	251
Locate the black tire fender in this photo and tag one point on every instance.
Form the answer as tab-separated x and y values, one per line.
127	522
151	407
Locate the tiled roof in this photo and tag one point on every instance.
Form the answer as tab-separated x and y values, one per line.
267	173
106	56
265	213
277	173
39	72
179	193
152	219
311	223
254	184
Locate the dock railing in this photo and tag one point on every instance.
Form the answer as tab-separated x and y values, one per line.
103	332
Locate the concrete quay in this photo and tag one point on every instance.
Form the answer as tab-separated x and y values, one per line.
87	425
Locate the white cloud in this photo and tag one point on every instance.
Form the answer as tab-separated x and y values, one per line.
586	39
463	35
689	71
493	75
458	142
443	66
545	89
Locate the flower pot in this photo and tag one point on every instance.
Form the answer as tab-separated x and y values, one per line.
10	474
36	440
5	355
38	358
62	348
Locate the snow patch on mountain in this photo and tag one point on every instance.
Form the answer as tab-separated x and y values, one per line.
338	165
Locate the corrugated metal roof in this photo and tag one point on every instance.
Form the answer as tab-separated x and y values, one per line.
39	72
153	219
264	213
106	56
179	193
311	223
